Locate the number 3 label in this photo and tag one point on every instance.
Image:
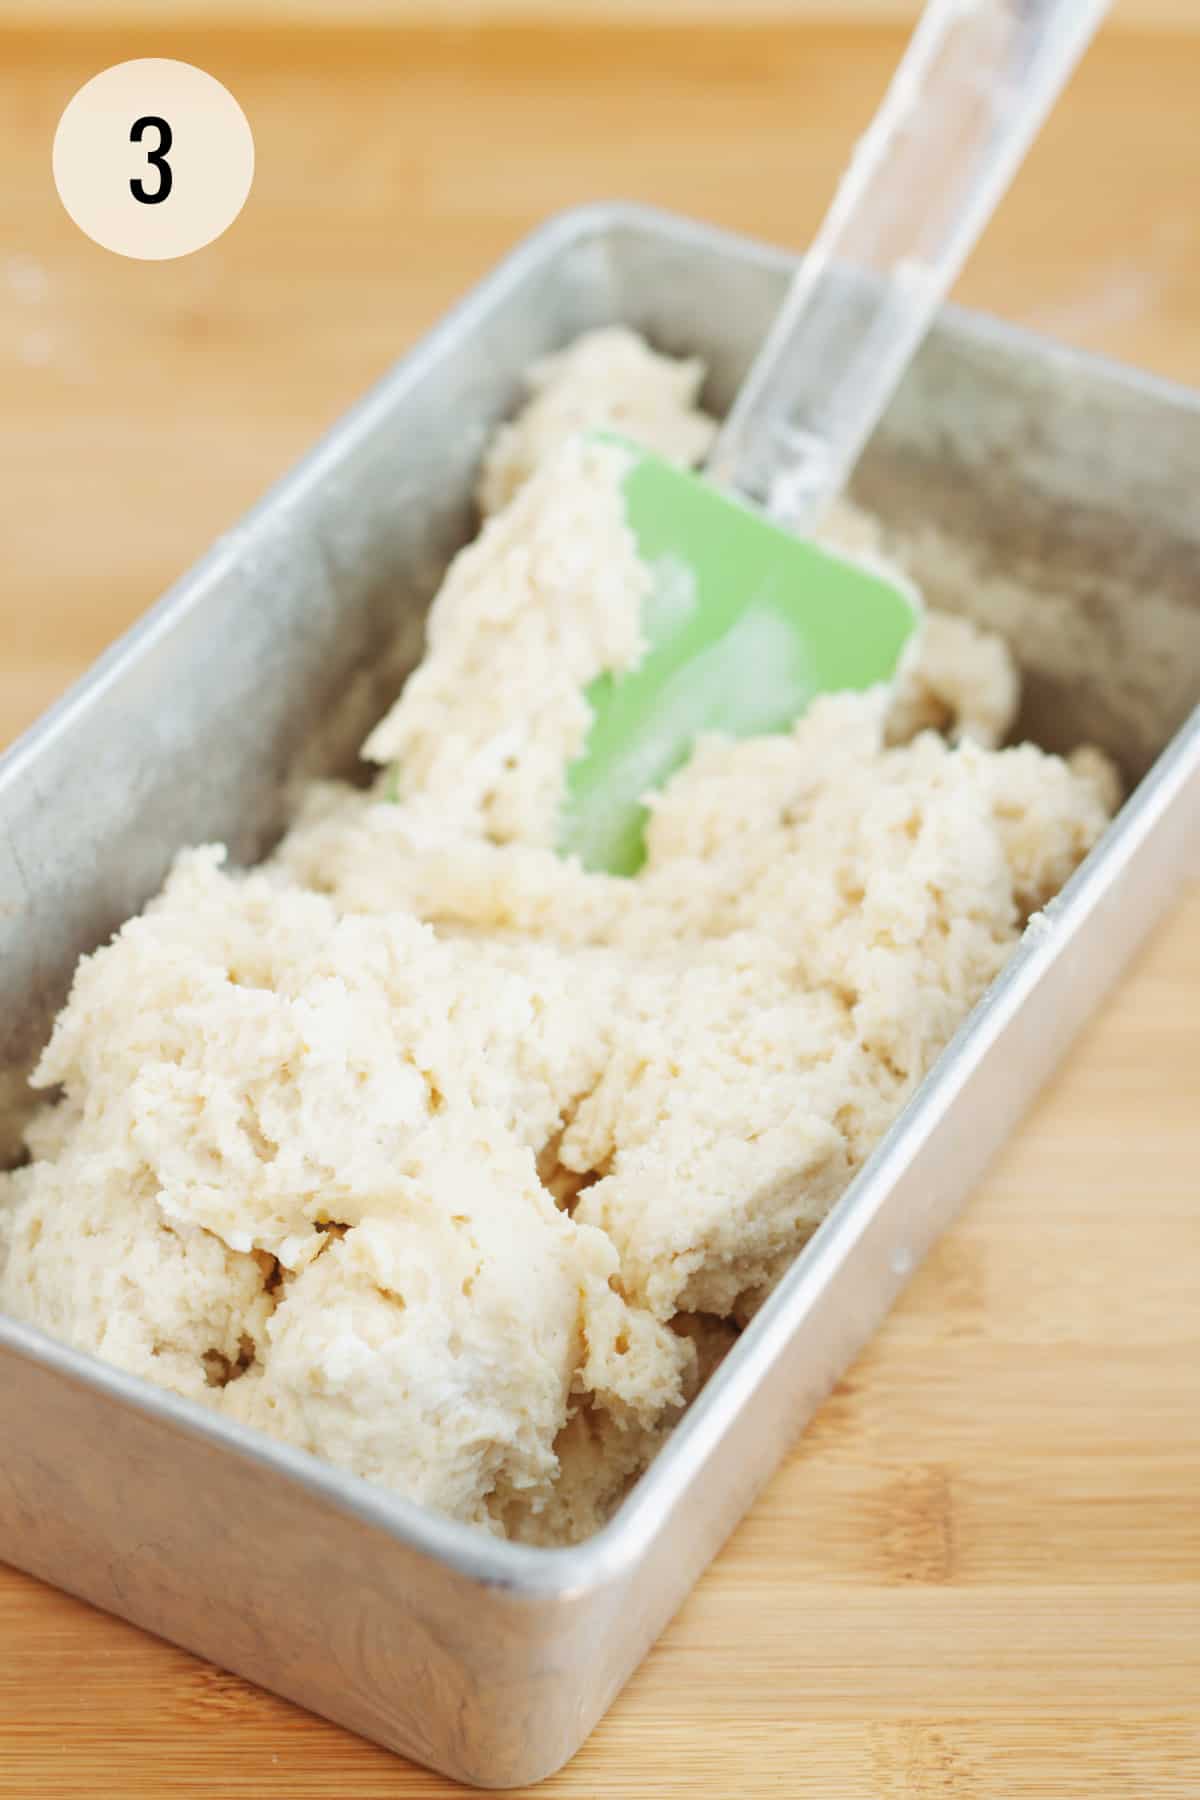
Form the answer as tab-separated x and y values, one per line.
153	158
157	159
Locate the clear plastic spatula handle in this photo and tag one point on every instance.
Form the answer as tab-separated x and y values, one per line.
976	82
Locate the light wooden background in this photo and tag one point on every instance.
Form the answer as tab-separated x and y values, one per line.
1132	15
980	1575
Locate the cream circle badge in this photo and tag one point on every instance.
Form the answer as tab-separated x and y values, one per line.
153	158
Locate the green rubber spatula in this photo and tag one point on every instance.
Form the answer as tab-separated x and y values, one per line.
747	620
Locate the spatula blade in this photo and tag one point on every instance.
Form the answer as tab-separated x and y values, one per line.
745	624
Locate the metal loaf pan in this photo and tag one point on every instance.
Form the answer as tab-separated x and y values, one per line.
1062	489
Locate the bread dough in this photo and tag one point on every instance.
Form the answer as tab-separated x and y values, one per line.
427	1151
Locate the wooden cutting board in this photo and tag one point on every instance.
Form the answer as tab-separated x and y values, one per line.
980	1574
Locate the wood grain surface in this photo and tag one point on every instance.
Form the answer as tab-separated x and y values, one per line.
1126	15
980	1574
